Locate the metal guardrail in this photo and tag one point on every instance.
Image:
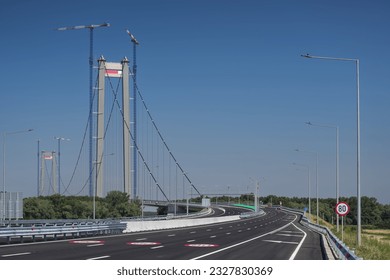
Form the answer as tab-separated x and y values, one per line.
54	228
341	250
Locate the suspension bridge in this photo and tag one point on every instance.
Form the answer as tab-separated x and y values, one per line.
129	152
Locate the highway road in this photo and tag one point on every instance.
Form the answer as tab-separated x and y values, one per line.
274	236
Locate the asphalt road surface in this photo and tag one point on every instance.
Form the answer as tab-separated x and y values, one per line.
275	236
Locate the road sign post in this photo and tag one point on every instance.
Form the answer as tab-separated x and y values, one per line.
342	209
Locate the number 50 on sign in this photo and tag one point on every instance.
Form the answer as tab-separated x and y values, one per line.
342	208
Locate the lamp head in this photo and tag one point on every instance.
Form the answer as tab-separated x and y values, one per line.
306	55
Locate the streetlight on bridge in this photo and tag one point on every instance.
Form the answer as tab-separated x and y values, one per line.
5	134
308	184
337	162
316	154
356	61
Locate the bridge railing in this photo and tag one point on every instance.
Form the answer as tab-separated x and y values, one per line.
341	250
54	228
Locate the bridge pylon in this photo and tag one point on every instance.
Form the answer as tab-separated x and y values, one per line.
113	70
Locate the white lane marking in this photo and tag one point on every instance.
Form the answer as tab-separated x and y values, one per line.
192	240
98	258
139	239
192	232
208	229
243	242
240	230
17	254
278	241
157	247
228	233
94	245
299	245
170	235
248	228
213	236
286	234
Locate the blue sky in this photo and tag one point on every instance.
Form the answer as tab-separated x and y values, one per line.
224	81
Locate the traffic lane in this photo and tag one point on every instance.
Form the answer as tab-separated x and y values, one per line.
184	243
70	250
200	241
264	246
312	248
292	242
117	247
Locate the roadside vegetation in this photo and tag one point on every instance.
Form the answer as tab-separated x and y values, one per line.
115	205
375	242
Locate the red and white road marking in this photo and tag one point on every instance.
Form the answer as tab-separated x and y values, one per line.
200	245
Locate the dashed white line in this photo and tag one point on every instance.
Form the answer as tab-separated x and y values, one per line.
286	234
228	233
192	232
98	258
192	240
17	254
156	247
213	236
139	239
94	245
278	241
170	235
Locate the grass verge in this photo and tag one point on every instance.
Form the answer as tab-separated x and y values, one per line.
375	243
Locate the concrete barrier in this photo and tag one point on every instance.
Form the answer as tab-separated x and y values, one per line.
135	226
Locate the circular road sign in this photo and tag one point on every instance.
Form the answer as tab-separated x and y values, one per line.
342	208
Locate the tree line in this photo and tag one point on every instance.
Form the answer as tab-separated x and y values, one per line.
373	213
115	205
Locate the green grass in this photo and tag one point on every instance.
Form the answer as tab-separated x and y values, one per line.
374	246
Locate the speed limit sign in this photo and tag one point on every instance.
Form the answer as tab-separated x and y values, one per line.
342	208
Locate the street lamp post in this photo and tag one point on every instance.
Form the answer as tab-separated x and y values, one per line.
91	28
316	154
337	163
59	139
4	166
308	184
356	61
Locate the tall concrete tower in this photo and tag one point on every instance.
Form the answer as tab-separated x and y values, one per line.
113	70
